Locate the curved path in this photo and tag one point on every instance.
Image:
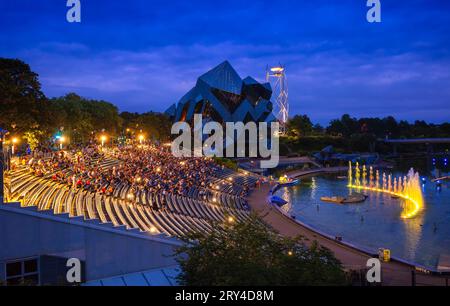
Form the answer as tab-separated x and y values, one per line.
393	273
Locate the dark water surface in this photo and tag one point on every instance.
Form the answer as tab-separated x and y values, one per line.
376	223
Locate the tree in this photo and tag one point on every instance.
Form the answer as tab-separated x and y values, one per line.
156	125
300	125
252	254
22	104
81	117
318	129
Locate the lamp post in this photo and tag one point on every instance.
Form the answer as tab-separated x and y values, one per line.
14	141
2	162
103	139
141	139
62	139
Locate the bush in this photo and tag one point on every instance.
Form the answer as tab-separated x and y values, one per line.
227	163
252	254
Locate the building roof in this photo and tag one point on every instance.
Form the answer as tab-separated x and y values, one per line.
156	277
223	77
221	95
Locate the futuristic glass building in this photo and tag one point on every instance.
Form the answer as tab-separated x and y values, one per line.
221	95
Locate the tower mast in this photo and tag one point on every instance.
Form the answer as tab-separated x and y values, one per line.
280	90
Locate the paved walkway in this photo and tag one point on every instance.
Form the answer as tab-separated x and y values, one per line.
394	273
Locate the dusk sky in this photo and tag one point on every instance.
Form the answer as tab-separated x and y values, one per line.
144	55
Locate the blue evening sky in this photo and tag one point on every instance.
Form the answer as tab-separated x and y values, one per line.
145	54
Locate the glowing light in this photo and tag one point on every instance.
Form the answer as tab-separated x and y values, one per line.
290	253
407	188
141	138
153	230
103	139
230	220
284	179
277	69
14	141
62	140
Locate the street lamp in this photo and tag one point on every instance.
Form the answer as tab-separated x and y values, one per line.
103	138
2	161
141	138
62	140
14	141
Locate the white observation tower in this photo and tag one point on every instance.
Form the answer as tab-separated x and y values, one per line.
280	90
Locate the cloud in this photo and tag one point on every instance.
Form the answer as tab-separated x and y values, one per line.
145	55
322	84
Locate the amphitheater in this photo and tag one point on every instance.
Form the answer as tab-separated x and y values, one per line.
145	212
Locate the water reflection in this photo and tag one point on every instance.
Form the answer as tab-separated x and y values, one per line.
376	222
313	187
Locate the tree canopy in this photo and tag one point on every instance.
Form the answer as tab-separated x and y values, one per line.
27	112
81	118
300	125
252	254
22	104
157	125
351	134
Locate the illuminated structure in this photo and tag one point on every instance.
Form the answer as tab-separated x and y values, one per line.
281	92
407	188
221	95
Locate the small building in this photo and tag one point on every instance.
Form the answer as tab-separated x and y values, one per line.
329	157
36	247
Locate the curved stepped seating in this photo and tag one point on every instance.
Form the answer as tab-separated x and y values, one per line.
137	210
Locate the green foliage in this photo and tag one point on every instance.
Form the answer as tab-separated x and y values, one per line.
33	138
155	125
308	144
388	126
227	163
300	125
252	254
349	134
81	118
22	104
27	112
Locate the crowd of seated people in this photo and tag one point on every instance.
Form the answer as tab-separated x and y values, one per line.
157	170
148	168
78	168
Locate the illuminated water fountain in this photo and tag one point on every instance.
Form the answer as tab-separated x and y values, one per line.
407	188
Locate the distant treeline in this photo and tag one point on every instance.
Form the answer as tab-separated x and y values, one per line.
346	126
27	113
352	134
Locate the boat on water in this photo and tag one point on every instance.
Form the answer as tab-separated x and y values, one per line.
338	200
351	199
355	198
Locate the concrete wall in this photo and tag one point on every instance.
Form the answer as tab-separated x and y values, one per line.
107	251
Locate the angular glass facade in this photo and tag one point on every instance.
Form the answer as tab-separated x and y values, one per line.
221	95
